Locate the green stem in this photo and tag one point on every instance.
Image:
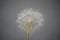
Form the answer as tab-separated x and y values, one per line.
28	37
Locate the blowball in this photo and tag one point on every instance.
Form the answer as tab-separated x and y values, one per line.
32	16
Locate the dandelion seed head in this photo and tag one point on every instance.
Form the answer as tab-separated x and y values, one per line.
35	16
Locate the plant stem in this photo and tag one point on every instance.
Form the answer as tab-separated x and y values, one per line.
28	37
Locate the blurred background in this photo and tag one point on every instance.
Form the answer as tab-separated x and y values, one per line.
10	9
